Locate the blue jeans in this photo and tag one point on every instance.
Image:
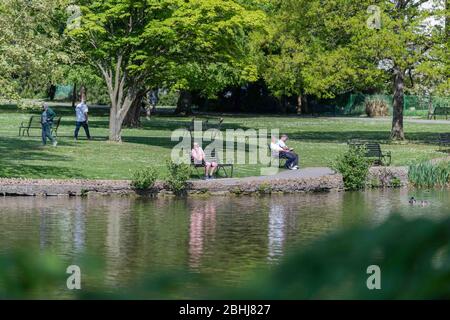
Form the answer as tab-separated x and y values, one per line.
291	159
85	127
47	133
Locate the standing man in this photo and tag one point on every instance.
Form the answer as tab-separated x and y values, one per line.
81	112
47	117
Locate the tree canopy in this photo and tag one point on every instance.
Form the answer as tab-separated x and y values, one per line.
197	44
31	45
326	48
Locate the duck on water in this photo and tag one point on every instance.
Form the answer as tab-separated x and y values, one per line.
413	201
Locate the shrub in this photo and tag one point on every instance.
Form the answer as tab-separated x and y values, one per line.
28	105
265	188
428	174
376	106
178	176
354	167
144	178
396	182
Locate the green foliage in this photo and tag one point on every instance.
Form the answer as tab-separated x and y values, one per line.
29	105
24	275
31	46
144	178
396	182
87	76
265	188
428	174
178	176
168	98
354	167
183	45
335	267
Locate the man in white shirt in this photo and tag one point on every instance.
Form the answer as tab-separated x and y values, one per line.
81	112
288	153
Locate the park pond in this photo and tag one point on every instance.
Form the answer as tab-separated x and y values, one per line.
224	239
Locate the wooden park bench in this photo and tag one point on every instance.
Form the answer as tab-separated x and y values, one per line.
373	151
439	111
227	169
35	123
444	141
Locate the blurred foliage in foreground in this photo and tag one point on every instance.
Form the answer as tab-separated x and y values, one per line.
413	256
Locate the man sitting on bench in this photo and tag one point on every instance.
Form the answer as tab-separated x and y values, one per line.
288	153
199	157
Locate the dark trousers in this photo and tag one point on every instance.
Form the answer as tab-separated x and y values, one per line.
85	127
291	159
47	133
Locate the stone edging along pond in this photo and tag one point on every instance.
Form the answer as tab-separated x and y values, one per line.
379	177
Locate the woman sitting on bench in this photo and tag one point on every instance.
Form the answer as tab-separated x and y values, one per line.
199	157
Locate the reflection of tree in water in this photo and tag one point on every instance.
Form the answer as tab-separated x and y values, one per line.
202	228
118	240
297	219
61	226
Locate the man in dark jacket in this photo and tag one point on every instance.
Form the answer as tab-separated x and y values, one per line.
47	117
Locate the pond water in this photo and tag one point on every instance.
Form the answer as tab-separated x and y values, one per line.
223	238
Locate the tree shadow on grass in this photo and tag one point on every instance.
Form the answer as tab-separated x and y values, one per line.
162	142
13	150
375	136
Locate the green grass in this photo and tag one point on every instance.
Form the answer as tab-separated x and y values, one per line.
317	140
429	175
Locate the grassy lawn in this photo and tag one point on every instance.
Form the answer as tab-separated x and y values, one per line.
317	140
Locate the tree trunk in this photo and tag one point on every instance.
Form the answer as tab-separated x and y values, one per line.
122	92
184	104
74	95
397	121
115	128
133	117
299	104
430	106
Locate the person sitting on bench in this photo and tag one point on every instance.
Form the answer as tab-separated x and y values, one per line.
288	153
199	157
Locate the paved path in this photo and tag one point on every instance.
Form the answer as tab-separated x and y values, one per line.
282	175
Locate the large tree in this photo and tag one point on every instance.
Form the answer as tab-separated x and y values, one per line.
110	34
139	44
331	47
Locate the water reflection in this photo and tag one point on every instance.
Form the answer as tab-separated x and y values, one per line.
68	226
202	228
79	226
276	231
222	237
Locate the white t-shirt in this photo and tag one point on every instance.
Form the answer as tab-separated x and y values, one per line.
275	148
80	111
281	144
